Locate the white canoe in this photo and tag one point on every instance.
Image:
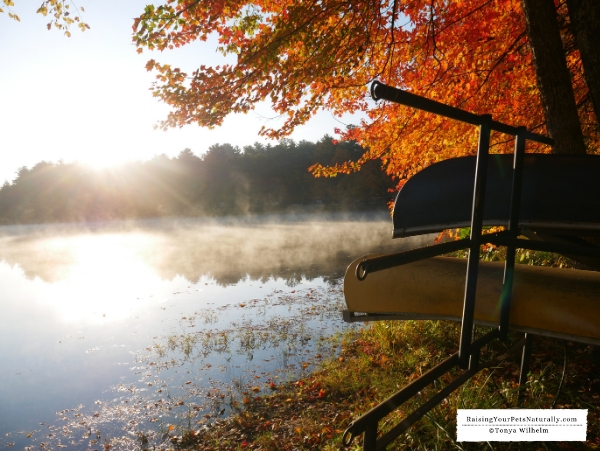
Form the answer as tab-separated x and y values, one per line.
562	303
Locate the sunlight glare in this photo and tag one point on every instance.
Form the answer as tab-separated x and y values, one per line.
106	280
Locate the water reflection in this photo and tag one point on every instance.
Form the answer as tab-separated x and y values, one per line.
224	251
210	364
79	302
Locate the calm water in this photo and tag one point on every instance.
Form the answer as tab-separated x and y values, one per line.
108	329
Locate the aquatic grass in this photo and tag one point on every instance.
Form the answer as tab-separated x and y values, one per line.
372	363
213	365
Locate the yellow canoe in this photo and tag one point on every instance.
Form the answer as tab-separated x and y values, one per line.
562	303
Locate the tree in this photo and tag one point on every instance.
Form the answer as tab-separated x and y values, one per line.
553	77
585	17
62	14
307	55
486	56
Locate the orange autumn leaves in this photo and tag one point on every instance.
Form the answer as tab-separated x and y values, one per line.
307	55
302	56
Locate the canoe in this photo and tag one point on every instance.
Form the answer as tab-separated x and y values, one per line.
560	303
559	195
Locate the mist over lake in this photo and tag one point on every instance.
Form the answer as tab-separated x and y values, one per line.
89	310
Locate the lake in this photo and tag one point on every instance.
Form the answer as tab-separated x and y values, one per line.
109	329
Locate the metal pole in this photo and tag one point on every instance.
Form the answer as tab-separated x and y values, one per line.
466	332
525	357
382	91
513	228
370	437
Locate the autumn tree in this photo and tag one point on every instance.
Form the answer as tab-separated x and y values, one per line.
62	14
553	77
532	63
585	21
521	62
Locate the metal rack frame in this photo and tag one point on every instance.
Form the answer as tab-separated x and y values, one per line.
467	357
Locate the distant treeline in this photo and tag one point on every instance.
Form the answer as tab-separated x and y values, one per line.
225	180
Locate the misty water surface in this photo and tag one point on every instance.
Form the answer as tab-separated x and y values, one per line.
81	303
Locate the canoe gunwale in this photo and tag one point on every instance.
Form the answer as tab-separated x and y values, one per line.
359	317
560	228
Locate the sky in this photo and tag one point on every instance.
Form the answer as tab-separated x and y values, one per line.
86	98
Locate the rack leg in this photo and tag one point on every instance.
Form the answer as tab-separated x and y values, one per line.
525	357
370	438
481	166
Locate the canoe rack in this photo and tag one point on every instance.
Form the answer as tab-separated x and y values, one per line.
467	359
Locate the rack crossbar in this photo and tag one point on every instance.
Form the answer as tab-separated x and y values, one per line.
385	92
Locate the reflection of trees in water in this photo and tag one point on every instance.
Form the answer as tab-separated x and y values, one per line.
35	257
227	252
288	251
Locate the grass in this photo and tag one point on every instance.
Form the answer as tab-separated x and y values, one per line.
490	252
373	363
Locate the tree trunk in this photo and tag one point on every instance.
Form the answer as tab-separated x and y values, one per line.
553	77
585	22
585	25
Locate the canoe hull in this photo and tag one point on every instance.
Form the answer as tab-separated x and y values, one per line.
559	195
562	303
